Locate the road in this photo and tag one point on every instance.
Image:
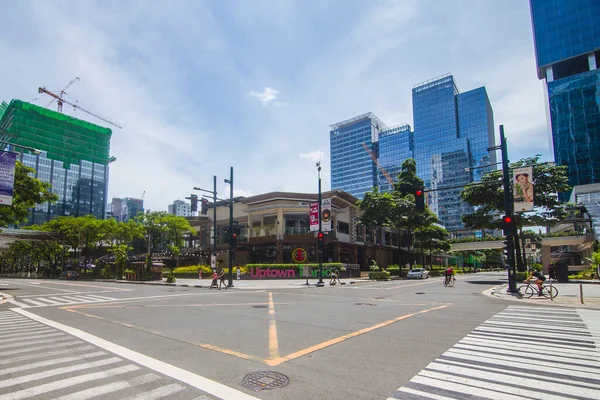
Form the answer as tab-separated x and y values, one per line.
378	340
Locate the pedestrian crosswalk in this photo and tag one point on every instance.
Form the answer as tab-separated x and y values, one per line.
26	302
520	353
41	362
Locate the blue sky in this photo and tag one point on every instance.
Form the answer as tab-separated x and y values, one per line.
199	86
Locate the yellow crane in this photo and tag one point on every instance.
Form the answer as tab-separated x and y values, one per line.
383	171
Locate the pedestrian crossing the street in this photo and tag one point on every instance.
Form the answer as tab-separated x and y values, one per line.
40	362
520	353
48	301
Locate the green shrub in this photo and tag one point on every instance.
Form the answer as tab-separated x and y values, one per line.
521	276
171	277
393	270
379	275
436	272
536	266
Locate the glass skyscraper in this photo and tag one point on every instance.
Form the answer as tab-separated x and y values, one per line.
74	158
567	48
352	168
395	145
452	132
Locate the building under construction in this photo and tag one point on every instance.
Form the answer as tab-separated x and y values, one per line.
74	157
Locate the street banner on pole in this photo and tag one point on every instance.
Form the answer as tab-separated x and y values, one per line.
523	189
7	177
326	215
314	216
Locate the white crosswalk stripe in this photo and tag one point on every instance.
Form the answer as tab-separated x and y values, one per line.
496	360
58	300
38	361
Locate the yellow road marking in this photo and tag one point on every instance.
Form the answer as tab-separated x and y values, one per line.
230	352
273	342
331	342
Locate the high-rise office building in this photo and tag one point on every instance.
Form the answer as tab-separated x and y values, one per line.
396	144
74	158
352	168
180	208
124	209
452	134
567	48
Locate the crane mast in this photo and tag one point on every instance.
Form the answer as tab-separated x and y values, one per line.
383	171
57	97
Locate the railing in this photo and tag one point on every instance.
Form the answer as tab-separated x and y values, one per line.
297	231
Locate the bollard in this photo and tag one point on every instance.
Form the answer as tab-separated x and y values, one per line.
551	292
581	293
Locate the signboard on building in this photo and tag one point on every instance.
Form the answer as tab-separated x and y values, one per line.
314	216
523	189
326	215
7	177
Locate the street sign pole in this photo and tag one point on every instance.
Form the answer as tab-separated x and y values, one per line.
508	211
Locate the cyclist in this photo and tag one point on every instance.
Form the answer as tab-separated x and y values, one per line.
448	274
539	279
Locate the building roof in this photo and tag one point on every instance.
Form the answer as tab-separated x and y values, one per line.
378	123
261	198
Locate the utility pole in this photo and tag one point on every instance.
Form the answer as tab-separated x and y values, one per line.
320	233
231	232
508	213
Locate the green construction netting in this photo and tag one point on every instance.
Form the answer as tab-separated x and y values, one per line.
64	138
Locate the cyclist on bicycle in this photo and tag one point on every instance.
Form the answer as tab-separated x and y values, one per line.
539	279
448	274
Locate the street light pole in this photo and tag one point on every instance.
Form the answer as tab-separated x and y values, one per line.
231	237
320	233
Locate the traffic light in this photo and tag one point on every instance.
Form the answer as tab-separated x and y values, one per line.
194	201
420	200
204	207
508	225
320	237
234	236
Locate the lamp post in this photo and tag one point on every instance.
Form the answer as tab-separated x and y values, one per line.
320	233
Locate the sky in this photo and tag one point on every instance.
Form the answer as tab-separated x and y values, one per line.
202	86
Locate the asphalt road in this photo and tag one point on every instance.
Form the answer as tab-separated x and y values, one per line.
360	341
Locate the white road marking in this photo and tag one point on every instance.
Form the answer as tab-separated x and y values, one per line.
34	302
158	393
50	362
197	381
36	348
18	304
109	388
29	357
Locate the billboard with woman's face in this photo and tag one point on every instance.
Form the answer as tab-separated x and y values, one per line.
523	189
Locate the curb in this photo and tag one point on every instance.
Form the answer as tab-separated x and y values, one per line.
155	283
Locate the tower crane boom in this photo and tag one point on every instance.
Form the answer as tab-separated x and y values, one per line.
62	92
57	97
383	171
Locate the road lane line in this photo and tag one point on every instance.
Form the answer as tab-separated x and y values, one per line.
273	342
206	385
342	338
53	361
64	383
158	393
229	352
109	388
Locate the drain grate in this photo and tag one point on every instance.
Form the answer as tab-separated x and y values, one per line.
265	380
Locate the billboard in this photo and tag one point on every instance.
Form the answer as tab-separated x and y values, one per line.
523	189
7	177
326	215
314	216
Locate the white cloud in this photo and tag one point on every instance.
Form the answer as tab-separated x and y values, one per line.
315	156
266	96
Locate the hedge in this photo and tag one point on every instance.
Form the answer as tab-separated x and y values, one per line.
379	275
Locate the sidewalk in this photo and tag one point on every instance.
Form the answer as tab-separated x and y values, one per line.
569	295
247	283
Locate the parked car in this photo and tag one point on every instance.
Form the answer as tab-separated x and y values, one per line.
417	273
69	275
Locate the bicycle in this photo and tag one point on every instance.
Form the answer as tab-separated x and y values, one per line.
449	281
528	290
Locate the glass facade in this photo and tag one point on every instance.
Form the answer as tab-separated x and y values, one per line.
352	168
575	117
452	134
395	145
564	29
81	189
567	44
74	158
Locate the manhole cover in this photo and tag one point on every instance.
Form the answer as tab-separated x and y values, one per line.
260	306
265	380
365	304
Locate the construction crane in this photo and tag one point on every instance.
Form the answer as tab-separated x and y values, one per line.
383	171
57	97
62	93
143	194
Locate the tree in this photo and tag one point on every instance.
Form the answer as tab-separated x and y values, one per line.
432	238
548	180
27	193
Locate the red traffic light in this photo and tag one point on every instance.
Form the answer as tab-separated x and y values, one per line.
320	235
235	235
419	192
506	219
